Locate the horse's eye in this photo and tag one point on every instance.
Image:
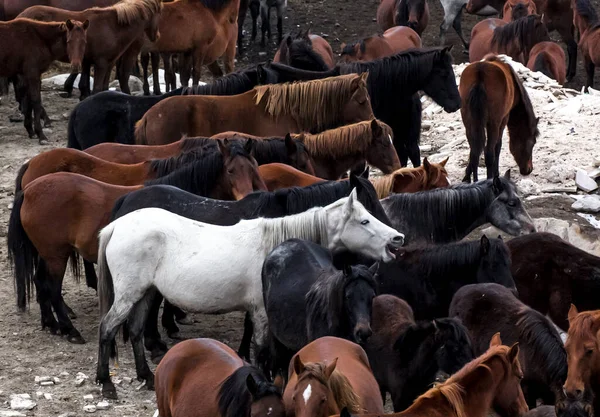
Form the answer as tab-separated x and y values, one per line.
364	222
512	203
589	352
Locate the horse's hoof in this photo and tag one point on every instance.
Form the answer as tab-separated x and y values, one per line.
109	391
157	355
65	95
76	339
43	142
52	327
16	118
174	335
185	320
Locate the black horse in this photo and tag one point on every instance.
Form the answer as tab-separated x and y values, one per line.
427	278
306	297
486	309
449	214
407	356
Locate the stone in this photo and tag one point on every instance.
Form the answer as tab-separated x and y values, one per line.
584	182
594	173
88	397
528	187
48	396
39	394
588	203
449	146
425	148
127	380
102	405
90	408
11	413
40	379
21	402
46	383
64	373
135	85
56	380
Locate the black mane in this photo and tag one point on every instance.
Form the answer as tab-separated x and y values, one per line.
300	54
215	5
527	31
586	10
234	399
235	83
162	167
269	150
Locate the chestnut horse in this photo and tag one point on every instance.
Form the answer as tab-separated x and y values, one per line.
305	51
269	110
58	216
587	23
549	59
394	40
514	39
330	374
493	98
206	378
12	8
411	13
516	9
113	30
28	49
489	382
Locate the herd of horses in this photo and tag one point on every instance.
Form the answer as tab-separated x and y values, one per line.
235	196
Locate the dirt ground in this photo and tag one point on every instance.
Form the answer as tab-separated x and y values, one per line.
26	351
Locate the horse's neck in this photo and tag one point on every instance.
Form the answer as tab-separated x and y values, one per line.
54	36
311	225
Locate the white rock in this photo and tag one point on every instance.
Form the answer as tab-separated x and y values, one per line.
56	380
595	173
449	146
21	402
59	81
103	405
64	374
90	408
589	203
88	397
442	129
46	383
40	379
425	148
127	380
135	84
79	381
39	394
81	375
584	182
11	413
48	396
528	187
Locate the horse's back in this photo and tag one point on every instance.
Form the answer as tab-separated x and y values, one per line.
401	38
481	38
323	48
496	80
389	313
548	58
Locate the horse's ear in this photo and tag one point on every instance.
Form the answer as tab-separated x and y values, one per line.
290	145
376	128
279	382
224	147
288	40
497	185
86	24
70	24
507	174
500	237
364	76
252	386
373	269
347	270
572	313
365	173
484	245
261	74
249	146
444	162
330	368
513	353
298	365
426	164
349	206
496	340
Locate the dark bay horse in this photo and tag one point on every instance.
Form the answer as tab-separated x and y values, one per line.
516	9
269	110
549	59
542	354
394	40
28	49
113	30
335	370
57	217
427	278
411	13
305	51
12	8
407	356
449	214
587	23
489	382
493	97
206	378
550	274
306	298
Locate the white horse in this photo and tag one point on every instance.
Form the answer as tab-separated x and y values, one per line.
453	10
211	269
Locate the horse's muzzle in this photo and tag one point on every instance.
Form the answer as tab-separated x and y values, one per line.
362	333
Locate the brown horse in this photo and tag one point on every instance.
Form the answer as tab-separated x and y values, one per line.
411	13
206	378
394	40
516	9
305	51
550	274
58	216
583	359
12	8
587	23
28	49
491	381
113	30
204	29
493	97
327	375
549	59
277	176
514	39
269	110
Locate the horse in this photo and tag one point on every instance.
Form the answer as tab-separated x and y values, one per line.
582	356
114	30
514	39
263	111
12	8
569	407
328	375
407	357
306	297
586	21
493	97
516	9
212	280
411	13
542	354
57	217
265	7
453	10
211	33
428	277
449	214
305	51
209	370
277	176
491	381
549	59
394	40
29	47
550	274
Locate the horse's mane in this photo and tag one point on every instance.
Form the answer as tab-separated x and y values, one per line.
338	384
162	167
586	10
339	142
298	99
302	55
234	83
274	149
190	144
325	299
527	31
234	399
130	11
545	342
585	324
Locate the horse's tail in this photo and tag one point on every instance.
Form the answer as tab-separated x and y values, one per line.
140	132
541	64
106	289
21	253
72	141
20	174
476	104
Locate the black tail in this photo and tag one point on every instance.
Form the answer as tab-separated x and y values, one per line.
72	141
106	290
477	107
541	64
19	179
21	253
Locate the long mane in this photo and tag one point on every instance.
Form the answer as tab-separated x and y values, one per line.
234	399
230	84
586	10
130	11
526	31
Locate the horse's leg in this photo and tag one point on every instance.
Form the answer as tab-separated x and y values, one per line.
264	20
185	68
590	68
26	109
493	137
280	9
215	69
136	321
170	80
476	149
498	148
101	69
40	280
145	58
152	339
84	79
229	57
244	350
568	36
168	321
91	279
254	16
56	271
34	87
260	323
197	68
241	18
414	131
68	86
457	25
155	57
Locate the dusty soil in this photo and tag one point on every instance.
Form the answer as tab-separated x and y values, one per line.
27	351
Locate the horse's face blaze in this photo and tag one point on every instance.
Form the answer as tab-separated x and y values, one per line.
358	303
506	212
510	401
441	85
310	399
76	42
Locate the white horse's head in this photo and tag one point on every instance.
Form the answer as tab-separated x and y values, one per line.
358	231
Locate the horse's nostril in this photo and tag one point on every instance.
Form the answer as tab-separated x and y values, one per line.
397	239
